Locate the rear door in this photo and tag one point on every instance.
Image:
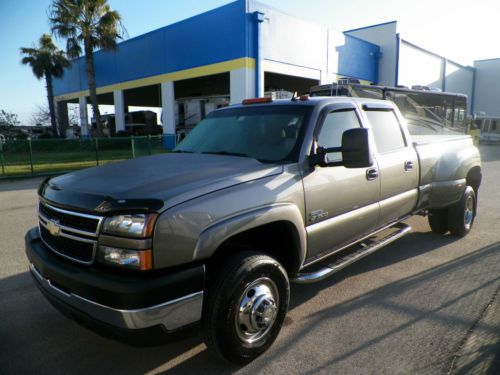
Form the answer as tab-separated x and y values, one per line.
397	163
341	203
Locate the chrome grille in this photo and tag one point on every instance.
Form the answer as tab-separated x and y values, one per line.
74	221
70	234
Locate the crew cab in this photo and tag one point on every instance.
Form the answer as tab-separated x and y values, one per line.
257	196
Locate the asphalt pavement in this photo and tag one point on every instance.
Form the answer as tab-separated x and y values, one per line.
426	304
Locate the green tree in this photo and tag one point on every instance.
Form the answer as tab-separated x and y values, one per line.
90	24
47	61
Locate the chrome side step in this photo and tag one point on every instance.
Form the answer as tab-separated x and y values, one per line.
339	264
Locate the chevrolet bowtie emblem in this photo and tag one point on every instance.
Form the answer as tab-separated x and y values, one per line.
54	228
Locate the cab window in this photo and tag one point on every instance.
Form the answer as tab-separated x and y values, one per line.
386	130
334	125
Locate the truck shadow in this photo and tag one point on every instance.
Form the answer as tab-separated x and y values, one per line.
37	339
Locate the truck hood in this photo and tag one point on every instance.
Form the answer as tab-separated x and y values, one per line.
152	183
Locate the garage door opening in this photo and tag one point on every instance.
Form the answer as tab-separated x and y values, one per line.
274	82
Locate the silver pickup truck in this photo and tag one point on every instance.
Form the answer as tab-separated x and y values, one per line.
257	196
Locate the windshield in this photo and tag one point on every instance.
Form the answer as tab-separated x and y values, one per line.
265	133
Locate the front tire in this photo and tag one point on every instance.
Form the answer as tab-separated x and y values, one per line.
462	214
246	306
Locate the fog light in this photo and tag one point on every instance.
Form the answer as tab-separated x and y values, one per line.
136	259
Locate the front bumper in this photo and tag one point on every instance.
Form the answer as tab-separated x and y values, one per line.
132	302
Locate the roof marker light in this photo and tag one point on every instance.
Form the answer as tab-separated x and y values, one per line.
257	100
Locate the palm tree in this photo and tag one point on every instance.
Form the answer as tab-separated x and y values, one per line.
46	60
90	24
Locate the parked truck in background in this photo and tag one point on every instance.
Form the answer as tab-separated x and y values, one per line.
257	196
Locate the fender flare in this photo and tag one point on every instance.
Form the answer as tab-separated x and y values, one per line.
213	236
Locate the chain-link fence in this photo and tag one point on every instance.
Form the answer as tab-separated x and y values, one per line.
51	156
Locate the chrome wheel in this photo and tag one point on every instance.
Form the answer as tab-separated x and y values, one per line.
257	310
461	215
469	211
246	306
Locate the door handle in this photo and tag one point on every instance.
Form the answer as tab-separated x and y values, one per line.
371	174
408	165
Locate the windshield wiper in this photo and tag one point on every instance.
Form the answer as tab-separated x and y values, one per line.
225	153
183	151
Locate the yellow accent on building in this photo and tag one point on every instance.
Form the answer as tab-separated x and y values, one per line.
206	70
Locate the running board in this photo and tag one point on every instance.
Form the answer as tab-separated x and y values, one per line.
341	263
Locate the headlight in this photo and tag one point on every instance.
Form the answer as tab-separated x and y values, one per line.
135	259
137	225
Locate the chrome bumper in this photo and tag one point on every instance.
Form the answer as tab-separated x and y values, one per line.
171	314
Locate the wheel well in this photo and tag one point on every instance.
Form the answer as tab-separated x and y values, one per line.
278	239
473	178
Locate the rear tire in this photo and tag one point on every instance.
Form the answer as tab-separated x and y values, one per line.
462	214
438	220
245	307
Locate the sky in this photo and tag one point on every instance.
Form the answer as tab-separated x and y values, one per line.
461	30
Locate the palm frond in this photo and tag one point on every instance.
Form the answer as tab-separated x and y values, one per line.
44	58
86	21
28	60
73	47
28	51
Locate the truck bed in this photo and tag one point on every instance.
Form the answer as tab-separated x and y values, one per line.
426	139
443	161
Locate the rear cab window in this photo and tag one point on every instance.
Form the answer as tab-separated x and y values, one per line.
386	130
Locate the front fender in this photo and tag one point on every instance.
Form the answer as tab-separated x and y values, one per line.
192	230
211	238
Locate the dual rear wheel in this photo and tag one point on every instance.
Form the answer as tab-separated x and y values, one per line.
458	218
